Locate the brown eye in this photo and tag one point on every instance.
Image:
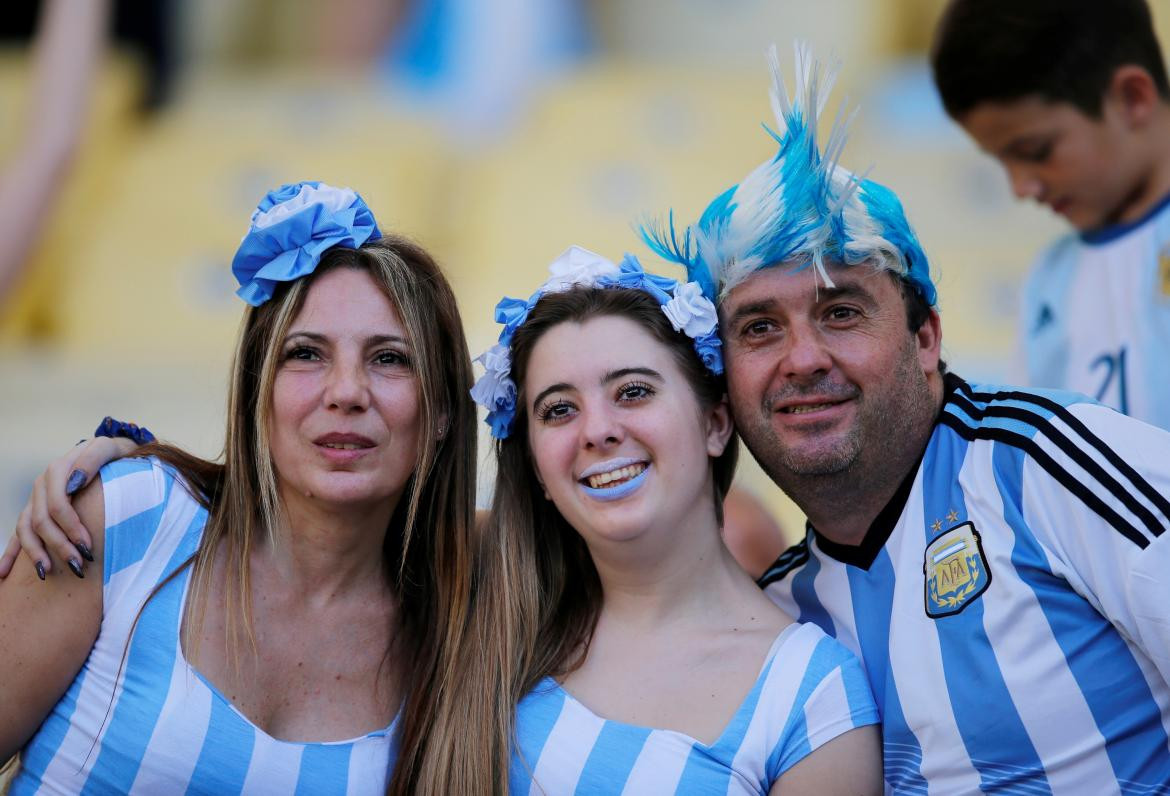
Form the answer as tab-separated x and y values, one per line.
303	353
553	411
757	328
635	391
842	313
392	357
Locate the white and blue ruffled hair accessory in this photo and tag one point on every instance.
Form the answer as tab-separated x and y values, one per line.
688	310
800	207
290	230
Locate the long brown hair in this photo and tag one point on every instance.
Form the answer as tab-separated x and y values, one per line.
537	595
429	542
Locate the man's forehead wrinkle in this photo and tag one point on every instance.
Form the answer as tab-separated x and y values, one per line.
849	283
858	290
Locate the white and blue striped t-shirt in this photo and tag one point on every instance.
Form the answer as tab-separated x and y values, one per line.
168	730
1011	605
1095	317
809	691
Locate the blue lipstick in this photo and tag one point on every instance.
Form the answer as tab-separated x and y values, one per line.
606	494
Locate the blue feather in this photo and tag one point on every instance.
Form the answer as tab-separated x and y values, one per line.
799	207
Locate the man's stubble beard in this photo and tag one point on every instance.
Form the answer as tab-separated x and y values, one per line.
887	423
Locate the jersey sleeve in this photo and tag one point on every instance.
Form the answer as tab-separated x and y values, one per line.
833	698
1101	510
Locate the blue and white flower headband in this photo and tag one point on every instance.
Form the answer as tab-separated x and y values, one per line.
688	310
290	230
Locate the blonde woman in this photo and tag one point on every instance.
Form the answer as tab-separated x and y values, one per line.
274	622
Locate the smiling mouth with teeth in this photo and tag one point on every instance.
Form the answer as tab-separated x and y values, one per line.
343	446
616	477
806	408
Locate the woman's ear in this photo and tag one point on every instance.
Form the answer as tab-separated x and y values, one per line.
719	427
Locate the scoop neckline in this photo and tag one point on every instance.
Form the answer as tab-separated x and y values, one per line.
732	722
223	700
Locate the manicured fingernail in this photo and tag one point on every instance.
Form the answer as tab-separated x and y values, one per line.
76	479
40	570
86	553
75	565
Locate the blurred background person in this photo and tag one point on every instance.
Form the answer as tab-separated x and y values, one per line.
1084	130
68	45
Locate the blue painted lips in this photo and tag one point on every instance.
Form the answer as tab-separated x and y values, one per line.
609	493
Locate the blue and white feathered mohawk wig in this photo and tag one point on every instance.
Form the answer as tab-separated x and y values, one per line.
800	208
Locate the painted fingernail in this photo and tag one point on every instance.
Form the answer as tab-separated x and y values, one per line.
76	479
86	553
75	565
40	570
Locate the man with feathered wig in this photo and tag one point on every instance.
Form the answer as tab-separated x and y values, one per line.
996	556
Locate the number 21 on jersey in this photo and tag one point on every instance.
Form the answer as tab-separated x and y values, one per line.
1109	368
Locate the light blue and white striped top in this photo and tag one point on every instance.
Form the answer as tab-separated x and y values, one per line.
809	691
1095	316
1011	604
168	730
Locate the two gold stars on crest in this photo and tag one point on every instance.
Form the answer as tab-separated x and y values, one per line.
952	517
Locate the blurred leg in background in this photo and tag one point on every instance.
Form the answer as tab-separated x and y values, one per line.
69	40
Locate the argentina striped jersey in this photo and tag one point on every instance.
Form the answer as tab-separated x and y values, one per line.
1096	316
1011	605
159	727
809	691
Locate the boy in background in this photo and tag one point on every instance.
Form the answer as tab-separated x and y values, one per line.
1072	98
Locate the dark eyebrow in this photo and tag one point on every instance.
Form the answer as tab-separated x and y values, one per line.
827	294
382	339
754	308
610	376
621	373
377	339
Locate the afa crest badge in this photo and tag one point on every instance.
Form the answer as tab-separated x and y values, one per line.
956	571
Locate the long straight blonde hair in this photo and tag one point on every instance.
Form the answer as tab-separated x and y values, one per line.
430	539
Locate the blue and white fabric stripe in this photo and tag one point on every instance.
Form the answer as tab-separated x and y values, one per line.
968	654
809	691
160	727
